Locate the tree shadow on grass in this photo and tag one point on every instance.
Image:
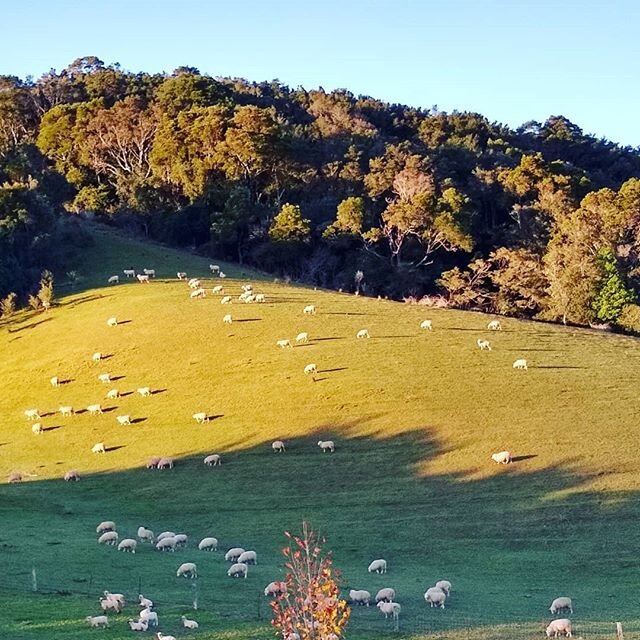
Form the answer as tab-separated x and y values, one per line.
31	325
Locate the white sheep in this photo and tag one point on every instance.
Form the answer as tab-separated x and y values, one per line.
143	278
130	273
227	319
113	394
97	356
165	463
435	597
97	621
32	414
248	557
106	525
426	324
389	609
502	457
128	544
166	534
36	428
247	288
494	325
363	333
200	417
387	594
379	566
145	392
278	446
55	381
310	368
214	268
359	596
484	345
189	624
208	544
109	537
181	539
213	460
113	280
238	569
14	476
260	297
309	310
217	289
145	603
98	448
94	409
327	445
145	535
198	293
188	570
226	300
302	337
561	604
233	554
166	544
194	283
445	585
150	617
104	377
71	476
558	627
119	597
181	275
140	625
149	272
108	603
521	363
152	463
65	410
284	344
112	322
222	274
276	589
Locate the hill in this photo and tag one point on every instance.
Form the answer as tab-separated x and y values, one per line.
415	416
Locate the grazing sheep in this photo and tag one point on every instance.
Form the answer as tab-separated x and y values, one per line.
359	596
387	594
226	300
14	476
302	337
310	368
145	392
238	569
389	608
435	597
152	463
189	624
181	539
217	289
198	293
97	621
113	394
194	283
327	445
208	544
233	554
128	544
104	377
166	534
247	287
37	428
181	275
112	322
426	324
145	603
110	537
113	280
520	364
150	617
93	409
188	570
484	345
65	411
201	417
363	333
248	557
106	525
97	356
278	446
260	297
227	319
222	274
98	448
55	381
309	310
275	589
283	344
494	325
145	535
149	272
130	273
71	476
166	544
214	460
161	636
502	457
214	268
165	463
558	627
379	566
140	625
32	414
143	278
561	604
445	585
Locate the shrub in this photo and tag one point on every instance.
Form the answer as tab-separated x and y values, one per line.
629	318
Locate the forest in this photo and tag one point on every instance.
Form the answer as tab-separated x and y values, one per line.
327	188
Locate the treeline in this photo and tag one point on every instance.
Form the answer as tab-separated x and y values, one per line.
334	189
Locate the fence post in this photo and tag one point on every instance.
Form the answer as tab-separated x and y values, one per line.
34	579
619	631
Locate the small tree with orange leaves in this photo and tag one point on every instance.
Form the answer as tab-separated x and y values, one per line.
311	608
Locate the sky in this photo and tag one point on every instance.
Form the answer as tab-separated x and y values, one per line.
511	60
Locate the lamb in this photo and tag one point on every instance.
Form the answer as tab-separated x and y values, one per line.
37	428
97	356
227	319
275	589
426	324
166	534
389	608
435	597
32	414
110	537
247	288
143	278
145	534
166	544
104	377
65	410
502	457
152	463
208	544
278	446
97	621
387	594
149	272
118	597
379	566
214	460
217	289
189	624
165	463
181	275
106	525
363	333
310	368
98	448
145	603
145	392
233	554
113	394
238	569
130	273
150	617
260	297
226	300
484	345
194	283
93	409
494	325
521	363
71	476
445	585
161	636
181	539
327	445
284	344
113	280
359	596
248	557
112	322
198	293
214	268
222	274
561	604
55	381
302	337
188	570
309	310
140	625
558	627
201	417
128	544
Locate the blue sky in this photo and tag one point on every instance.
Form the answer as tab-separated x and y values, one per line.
512	61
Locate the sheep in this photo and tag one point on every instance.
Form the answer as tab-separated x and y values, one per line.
118	597
37	428
227	319
130	273
379	566
112	394
309	310
435	597
226	300
194	283
445	585
359	596
389	608
238	569
284	344
233	554
521	363
113	280
97	356
426	324
143	278
93	409
310	368
97	621
71	476
181	539
214	460
166	544
214	268
248	557
14	477
494	325
188	570
32	414
387	594
208	544
152	463
484	345
198	293
247	288
104	377
55	381
98	448
149	272
145	392
128	544
201	417
145	603
161	636
106	525
278	446
222	274
165	463
217	289
302	337
502	457
150	617
260	297
275	589
327	445
109	537
189	624
145	534
250	299
166	534
558	627
561	604
140	625
181	275
363	333
65	410
112	322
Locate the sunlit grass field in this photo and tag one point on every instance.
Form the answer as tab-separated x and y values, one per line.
415	416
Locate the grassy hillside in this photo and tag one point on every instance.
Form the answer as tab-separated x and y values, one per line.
415	416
